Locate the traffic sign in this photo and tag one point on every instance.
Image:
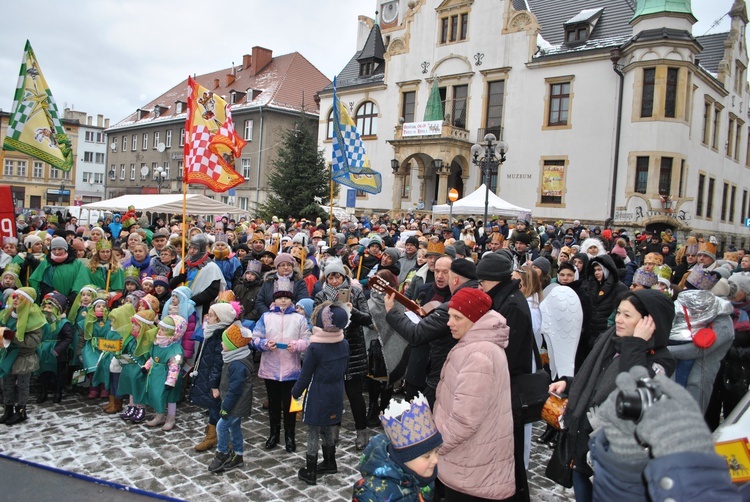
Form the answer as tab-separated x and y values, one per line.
453	195
747	222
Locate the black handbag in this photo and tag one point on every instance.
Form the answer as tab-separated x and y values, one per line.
560	466
529	392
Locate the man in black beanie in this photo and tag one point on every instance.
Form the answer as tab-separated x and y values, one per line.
493	273
433	329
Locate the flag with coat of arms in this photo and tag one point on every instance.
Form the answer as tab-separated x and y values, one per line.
350	164
35	126
211	143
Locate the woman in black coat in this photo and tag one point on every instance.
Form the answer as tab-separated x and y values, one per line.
605	288
336	281
639	338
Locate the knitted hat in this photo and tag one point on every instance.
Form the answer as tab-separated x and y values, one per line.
410	428
284	258
523	237
232	337
283	287
332	318
376	239
542	264
57	299
30	240
461	248
334	265
161	280
147	279
412	239
644	278
702	279
742	281
472	303
224	312
59	243
494	267
393	253
150	302
450	251
464	268
254	266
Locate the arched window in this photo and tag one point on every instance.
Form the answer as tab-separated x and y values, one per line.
367	119
329	127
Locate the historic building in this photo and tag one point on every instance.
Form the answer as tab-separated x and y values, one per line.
90	157
267	95
36	184
610	111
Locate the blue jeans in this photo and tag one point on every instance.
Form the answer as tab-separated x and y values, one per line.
582	487
229	429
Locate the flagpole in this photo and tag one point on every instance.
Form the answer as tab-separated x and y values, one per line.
184	222
330	214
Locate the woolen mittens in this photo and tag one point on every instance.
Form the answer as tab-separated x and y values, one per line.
621	433
675	423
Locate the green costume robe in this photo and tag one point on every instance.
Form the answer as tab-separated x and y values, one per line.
132	379
45	351
99	279
8	356
157	395
63	278
91	353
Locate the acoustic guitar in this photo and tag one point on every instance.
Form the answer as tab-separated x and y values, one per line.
381	285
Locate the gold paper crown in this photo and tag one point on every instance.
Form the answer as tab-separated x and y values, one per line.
435	248
408	424
707	248
134	272
12	268
225	297
663	272
103	244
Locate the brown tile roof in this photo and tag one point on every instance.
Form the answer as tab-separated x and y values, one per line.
283	83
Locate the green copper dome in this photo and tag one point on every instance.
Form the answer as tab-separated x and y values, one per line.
646	7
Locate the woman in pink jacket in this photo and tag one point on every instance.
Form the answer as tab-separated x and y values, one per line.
472	407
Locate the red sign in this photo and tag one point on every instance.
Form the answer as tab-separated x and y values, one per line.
150	190
7	213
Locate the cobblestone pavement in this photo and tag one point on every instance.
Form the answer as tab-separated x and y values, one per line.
77	436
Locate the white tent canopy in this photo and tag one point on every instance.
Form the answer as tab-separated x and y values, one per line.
474	204
166	203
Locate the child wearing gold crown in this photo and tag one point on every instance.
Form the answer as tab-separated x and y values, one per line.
402	463
322	376
105	271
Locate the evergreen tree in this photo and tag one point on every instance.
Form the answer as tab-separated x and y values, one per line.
300	179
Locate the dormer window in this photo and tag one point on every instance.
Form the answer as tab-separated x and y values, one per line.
578	29
179	106
574	34
235	97
157	111
365	69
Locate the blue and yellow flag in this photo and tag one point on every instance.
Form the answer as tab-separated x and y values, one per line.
351	167
35	127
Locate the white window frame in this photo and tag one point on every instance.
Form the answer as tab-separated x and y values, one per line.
145	141
22	168
168	139
247	168
135	142
122	171
88	157
156	139
132	172
38	170
124	143
99	158
248	130
8	169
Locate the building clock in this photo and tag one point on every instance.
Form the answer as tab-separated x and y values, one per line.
389	12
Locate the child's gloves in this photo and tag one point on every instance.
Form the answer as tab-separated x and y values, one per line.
224	412
144	370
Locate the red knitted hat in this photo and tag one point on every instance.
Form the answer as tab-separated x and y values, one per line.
472	303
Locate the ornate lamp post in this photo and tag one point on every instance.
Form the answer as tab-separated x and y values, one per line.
161	176
489	159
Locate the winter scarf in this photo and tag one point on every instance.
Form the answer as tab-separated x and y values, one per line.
235	355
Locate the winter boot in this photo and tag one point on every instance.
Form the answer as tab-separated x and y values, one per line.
308	473
273	439
116	406
8	413
59	386
168	424
233	462
328	465
18	417
103	392
547	435
43	393
289	440
209	441
110	405
361	440
158	420
373	415
128	413
217	464
93	392
139	415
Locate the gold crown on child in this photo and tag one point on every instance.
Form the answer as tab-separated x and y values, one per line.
408	423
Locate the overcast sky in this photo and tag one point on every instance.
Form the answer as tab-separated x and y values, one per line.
110	57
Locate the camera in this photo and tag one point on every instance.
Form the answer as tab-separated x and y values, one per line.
631	405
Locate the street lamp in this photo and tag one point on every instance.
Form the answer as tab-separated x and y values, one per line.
161	176
488	159
395	165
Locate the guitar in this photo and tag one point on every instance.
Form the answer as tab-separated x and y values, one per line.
381	285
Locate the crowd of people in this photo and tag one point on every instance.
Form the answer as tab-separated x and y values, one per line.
453	316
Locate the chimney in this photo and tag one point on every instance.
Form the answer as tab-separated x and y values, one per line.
99	120
261	57
216	83
246	59
230	79
89	120
106	123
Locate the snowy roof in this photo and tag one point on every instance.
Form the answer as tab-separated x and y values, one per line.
283	84
585	16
